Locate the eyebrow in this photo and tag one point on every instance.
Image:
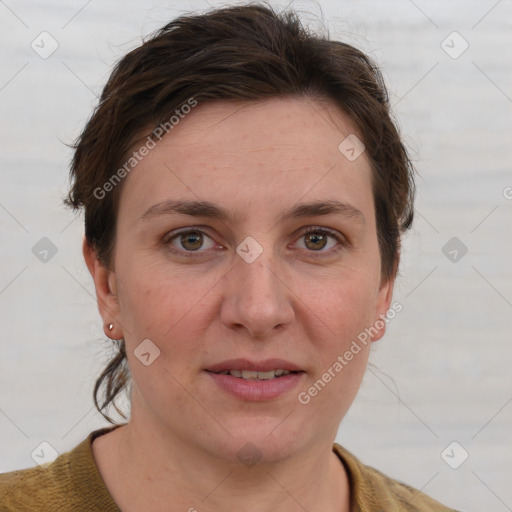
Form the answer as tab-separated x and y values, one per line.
213	211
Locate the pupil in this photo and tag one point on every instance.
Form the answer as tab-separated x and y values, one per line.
194	238
315	239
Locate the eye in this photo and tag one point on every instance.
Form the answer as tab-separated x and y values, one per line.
316	239
188	242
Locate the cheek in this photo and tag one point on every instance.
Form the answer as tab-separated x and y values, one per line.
155	309
169	310
343	305
339	318
148	296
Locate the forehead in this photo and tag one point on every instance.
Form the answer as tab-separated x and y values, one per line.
291	127
271	151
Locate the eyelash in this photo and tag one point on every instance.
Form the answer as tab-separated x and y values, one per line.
168	239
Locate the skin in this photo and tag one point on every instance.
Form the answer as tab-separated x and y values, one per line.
296	301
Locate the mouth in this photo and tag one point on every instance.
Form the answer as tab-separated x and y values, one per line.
262	370
256	381
255	375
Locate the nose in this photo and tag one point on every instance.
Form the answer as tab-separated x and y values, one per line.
257	298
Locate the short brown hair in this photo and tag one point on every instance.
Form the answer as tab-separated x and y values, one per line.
246	53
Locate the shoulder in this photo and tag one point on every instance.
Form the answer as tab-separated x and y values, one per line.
373	491
71	482
24	489
38	488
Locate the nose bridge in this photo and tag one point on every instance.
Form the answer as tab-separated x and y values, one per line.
256	297
255	261
259	278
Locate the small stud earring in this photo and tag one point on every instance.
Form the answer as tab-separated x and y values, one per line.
110	327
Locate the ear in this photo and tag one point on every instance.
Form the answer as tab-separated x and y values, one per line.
106	293
384	297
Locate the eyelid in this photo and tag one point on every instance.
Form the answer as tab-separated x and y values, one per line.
180	231
328	231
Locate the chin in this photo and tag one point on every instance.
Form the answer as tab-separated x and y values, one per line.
261	439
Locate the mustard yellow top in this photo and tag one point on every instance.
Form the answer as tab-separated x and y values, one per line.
72	483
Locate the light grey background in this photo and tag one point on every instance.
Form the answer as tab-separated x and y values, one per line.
441	373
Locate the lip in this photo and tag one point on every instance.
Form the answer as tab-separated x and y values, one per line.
256	390
261	366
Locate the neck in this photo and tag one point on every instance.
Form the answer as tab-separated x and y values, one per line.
153	471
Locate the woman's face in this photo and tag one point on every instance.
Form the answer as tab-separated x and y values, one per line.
197	286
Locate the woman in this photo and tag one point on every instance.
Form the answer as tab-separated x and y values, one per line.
245	191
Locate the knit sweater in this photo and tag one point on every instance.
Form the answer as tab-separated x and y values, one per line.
72	483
